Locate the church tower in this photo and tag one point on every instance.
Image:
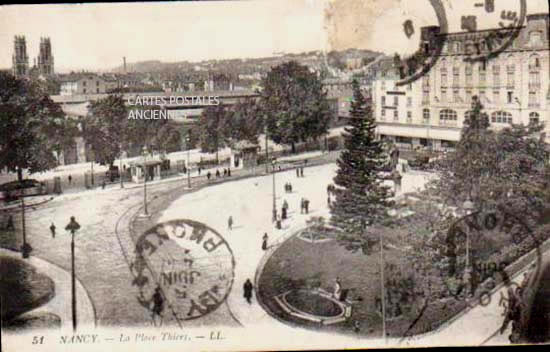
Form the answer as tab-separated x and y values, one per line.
45	58
20	60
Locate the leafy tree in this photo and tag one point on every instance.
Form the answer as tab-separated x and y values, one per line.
246	121
465	172
33	127
361	199
107	129
295	104
213	129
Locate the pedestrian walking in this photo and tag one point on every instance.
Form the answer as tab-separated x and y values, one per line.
302	206
283	212
230	223
103	184
224	172
200	170
52	230
328	200
248	288
278	222
208	175
301	172
228	172
290	187
217	173
10	226
70	179
306	205
297	172
158	305
264	242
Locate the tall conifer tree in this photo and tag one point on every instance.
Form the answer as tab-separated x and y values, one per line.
361	198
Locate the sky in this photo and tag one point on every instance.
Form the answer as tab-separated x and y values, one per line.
97	36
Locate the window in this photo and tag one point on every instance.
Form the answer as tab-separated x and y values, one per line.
426	82
383	112
396	100
535	38
482	73
482	97
84	90
447	115
383	101
409	86
468	96
496	96
510	71
97	90
510	97
97	83
467	114
496	75
444	95
456	96
395	116
534	62
533	99
425	98
409	116
501	117
534	118
409	101
84	83
456	76
426	115
468	74
443	71
534	79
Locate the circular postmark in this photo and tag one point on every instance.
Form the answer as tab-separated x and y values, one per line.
183	269
483	249
507	19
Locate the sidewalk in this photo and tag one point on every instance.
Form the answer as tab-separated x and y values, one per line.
60	304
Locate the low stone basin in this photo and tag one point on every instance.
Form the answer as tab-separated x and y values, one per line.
314	305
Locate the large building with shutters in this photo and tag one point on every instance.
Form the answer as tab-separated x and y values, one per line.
513	86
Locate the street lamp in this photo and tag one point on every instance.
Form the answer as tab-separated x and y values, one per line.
468	207
188	142
26	248
382	287
120	170
144	153
274	195
73	226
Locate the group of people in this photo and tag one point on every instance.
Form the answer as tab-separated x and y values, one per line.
300	171
226	173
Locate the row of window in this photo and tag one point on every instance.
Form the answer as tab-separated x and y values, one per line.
534	63
535	39
449	115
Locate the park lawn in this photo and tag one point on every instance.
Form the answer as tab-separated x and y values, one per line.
297	263
22	288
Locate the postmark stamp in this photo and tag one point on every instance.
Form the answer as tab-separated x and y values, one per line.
184	270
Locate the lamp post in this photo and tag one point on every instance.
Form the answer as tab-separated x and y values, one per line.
120	170
266	153
144	153
468	207
274	218
188	142
383	289
26	248
73	226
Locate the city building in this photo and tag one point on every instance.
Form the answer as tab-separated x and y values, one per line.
83	83
20	59
513	86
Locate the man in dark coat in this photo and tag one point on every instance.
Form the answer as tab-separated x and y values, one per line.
248	291
52	229
264	242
